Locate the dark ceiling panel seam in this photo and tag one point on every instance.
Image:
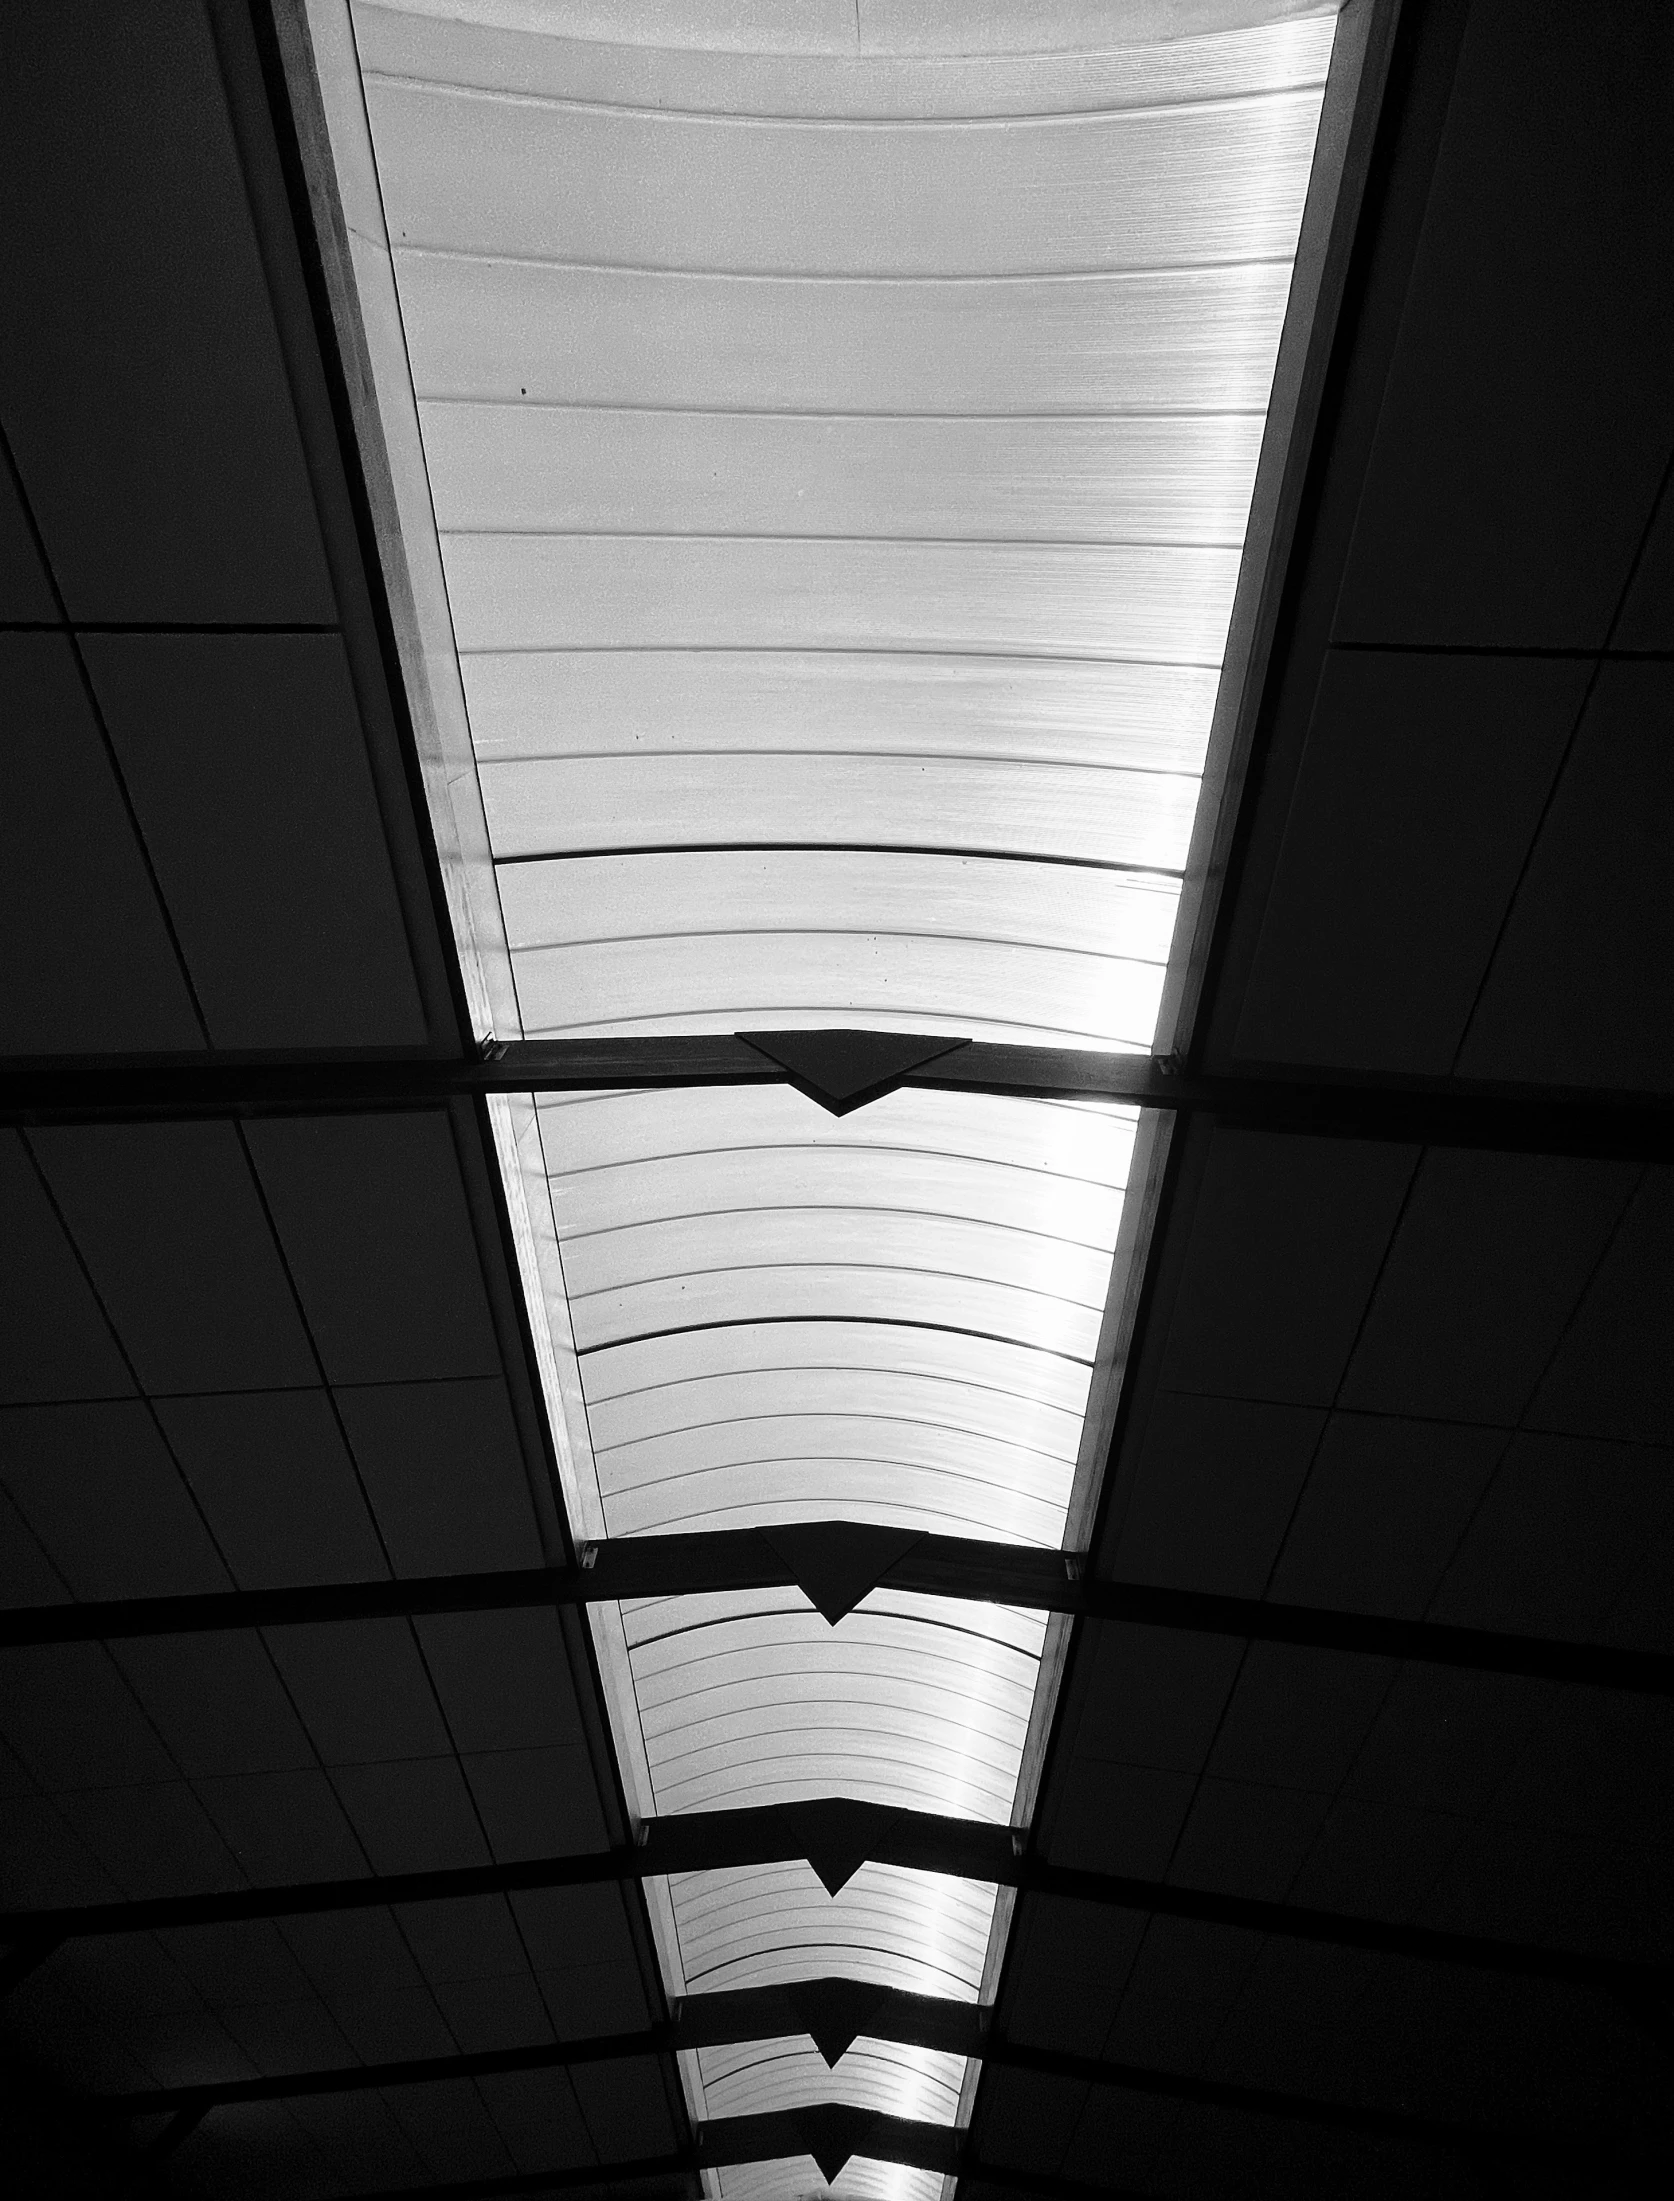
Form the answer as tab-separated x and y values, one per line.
139	1396
1559	772
264	133
1534	1390
112	761
327	1389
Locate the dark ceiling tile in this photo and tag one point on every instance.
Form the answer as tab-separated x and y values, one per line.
72	1719
1299	1717
463	1937
154	1840
127	1976
298	2035
44	1862
1613	1375
170	1224
247	766
471	1656
372	1213
595	1998
412	1442
27	1575
1125	2138
1443	1739
448	2126
1186	1977
1151	1696
25	592
574	1926
1492	1254
150	412
1524	425
277	1486
365	2149
54	1341
361	1688
1420	787
243	1961
1578	993
537	1803
89	963
1286	1238
1027	2119
1530	1884
396	2028
1067	1969
97	1486
1601	1763
217	1702
538	2119
1558	1542
1212	1493
283	1827
189	2048
1647	615
1247	1837
502	2012
1385	1506
352	1952
413	1815
1115	1818
625	2107
1376	1857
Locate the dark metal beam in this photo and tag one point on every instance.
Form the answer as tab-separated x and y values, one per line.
938	1566
837	1835
920	2021
1527	1119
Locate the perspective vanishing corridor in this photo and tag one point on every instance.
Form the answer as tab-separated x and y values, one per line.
830	458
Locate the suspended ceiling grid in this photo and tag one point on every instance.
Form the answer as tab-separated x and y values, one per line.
840	463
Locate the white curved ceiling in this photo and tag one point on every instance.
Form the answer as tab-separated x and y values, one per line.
840	444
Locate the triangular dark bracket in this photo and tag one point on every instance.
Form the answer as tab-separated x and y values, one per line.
843	1070
835	2012
829	2153
837	1563
836	1865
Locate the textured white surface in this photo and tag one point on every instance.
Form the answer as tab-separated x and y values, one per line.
841	444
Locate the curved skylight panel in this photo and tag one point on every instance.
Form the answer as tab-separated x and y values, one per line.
764	1925
911	1702
725	1228
841	449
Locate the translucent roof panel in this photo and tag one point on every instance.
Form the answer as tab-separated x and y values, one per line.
755	1699
838	446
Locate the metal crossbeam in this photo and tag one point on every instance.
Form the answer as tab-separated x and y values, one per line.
938	1566
833	2132
836	1836
919	2021
1521	1119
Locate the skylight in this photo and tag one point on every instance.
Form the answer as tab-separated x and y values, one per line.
823	460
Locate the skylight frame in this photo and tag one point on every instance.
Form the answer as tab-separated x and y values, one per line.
1300	357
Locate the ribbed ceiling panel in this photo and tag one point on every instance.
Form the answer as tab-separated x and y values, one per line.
841	449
